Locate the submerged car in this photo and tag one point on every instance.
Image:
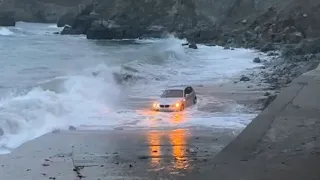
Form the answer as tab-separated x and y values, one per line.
176	98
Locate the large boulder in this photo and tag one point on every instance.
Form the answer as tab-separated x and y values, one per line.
101	29
82	22
137	19
7	19
66	19
81	25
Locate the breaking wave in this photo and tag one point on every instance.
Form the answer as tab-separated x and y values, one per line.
97	79
5	31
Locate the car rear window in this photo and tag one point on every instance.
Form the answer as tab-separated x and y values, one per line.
172	93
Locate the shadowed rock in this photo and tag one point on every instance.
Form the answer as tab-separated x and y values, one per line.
7	19
66	19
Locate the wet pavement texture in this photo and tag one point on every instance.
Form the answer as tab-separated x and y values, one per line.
115	154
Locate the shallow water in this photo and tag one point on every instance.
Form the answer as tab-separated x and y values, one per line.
51	81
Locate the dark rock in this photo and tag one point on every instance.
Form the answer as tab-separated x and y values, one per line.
269	100
45	165
244	78
310	46
1	132
294	37
292	51
143	18
82	22
56	33
72	31
66	19
119	128
193	46
80	26
272	54
48	160
268	47
185	44
143	157
101	29
72	128
267	94
55	130
7	19
207	35
257	60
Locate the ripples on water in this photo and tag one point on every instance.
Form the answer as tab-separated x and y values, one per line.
51	81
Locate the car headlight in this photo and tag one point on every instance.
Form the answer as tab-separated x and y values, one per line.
177	105
155	105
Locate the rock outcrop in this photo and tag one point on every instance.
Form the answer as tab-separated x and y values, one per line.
7	19
66	19
224	22
132	19
44	11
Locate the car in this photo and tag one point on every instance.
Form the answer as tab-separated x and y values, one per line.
176	98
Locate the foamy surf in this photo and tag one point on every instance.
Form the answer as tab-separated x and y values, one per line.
5	31
55	82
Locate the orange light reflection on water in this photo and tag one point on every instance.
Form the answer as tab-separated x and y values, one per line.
154	138
177	138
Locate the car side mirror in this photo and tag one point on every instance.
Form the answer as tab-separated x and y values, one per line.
187	95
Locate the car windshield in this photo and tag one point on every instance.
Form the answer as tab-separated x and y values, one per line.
172	93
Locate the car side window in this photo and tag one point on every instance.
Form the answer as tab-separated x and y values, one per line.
188	90
191	90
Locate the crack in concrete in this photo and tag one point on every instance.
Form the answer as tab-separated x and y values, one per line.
76	168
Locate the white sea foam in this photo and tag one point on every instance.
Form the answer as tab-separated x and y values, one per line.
89	96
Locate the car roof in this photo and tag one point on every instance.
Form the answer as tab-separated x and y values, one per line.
178	87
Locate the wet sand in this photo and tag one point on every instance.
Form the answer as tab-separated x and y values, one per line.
115	154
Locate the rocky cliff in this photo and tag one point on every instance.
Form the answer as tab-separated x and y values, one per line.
245	22
46	11
106	19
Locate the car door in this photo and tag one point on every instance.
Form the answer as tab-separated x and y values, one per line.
192	96
189	96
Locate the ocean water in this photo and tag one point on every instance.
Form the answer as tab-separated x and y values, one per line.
51	82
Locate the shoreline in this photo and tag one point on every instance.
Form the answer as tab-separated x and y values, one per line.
71	127
54	148
280	143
